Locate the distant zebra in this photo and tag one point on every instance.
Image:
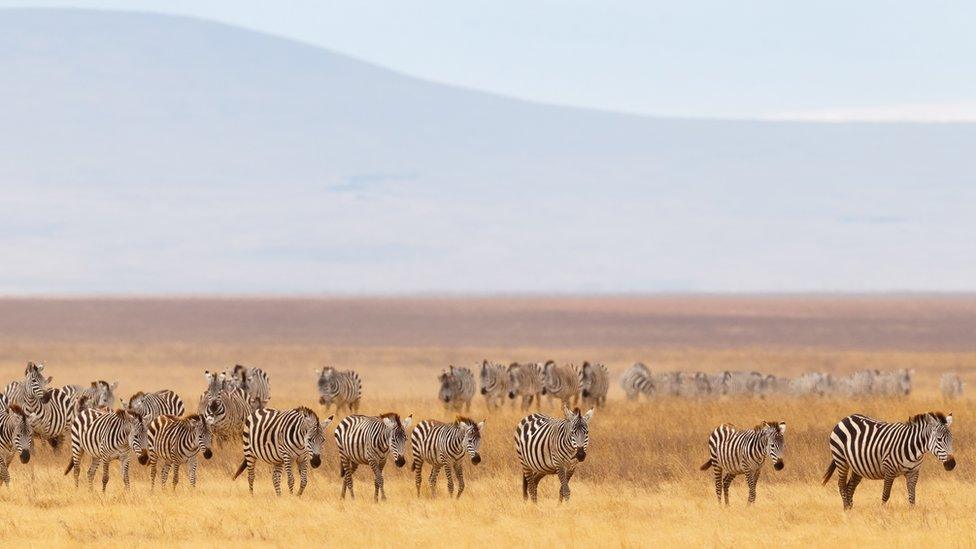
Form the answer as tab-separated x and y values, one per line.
595	380
174	441
525	380
549	446
33	383
152	405
255	383
951	386
637	380
107	436
863	447
100	394
494	384
16	436
561	382
457	388
344	389
444	445
228	408
369	440
733	452
281	438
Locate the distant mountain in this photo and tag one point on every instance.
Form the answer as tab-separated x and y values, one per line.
148	154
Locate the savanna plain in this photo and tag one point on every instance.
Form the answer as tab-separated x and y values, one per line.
639	486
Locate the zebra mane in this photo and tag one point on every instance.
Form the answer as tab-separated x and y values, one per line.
921	419
462	419
307	411
191	417
391	415
13	408
135	396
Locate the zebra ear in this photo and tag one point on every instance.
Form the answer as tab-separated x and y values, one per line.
115	386
408	421
482	424
39	366
206	374
949	419
588	416
568	413
389	423
327	421
782	427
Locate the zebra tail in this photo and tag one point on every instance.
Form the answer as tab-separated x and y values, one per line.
830	472
240	469
707	465
71	465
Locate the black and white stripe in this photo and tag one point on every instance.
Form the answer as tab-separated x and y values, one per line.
106	436
16	437
445	445
550	446
369	440
34	383
525	380
173	441
152	405
561	382
637	380
733	452
457	388
342	389
255	383
494	384
100	394
228	407
863	447
51	415
594	383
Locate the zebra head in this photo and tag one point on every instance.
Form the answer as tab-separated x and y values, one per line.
775	442
328	385
137	403
548	376
940	440
578	425
242	377
201	429
34	382
447	385
314	434
487	377
398	435
137	432
471	437
23	435
514	379
215	383
587	379
106	393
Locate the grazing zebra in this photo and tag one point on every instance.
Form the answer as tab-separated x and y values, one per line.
951	386
561	382
33	383
174	441
457	388
344	389
101	394
525	380
637	380
733	452
281	438
494	384
369	440
444	445
16	436
255	383
549	446
228	408
107	436
51	415
595	380
863	447
152	405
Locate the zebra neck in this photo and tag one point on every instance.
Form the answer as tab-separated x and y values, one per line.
920	436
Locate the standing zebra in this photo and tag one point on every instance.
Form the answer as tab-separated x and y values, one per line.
107	436
525	380
637	380
228	408
595	380
33	383
369	440
51	415
863	447
255	383
951	386
494	384
15	436
282	438
549	446
175	441
561	382
457	388
101	394
733	452
152	405
344	389
444	445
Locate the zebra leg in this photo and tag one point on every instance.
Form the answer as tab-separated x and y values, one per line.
752	478
563	485
250	474
92	469
164	474
377	481
303	474
886	491
176	474
124	465
291	476
76	462
192	466
525	485
5	474
434	470
418	468
276	478
450	480
152	473
726	482
911	479
851	486
105	462
460	477
534	487
717	471
842	483
349	469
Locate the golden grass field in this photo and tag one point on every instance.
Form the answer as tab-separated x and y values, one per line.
640	484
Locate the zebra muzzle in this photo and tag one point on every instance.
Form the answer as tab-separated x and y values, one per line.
24	456
484	391
950	463
316	461
400	461
207	453
476	459
779	465
143	457
511	394
580	454
586	394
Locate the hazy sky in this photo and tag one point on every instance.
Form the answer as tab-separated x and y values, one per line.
829	60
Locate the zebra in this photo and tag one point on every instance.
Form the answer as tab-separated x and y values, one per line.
101	394
51	415
594	382
444	445
733	452
457	388
34	383
525	380
951	386
863	447
153	405
344	389
550	446
174	441
494	384
4	402
16	436
561	382
637	380
255	383
228	408
106	435
369	440
283	437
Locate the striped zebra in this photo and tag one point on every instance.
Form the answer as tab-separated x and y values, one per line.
16	436
457	388
51	415
594	383
281	438
637	380
228	408
255	383
494	384
107	436
561	382
550	446
4	402
733	452
152	405
344	389
173	441
863	447
525	380
33	383
369	440
445	445
100	394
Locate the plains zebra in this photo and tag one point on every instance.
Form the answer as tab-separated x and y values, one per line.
15	436
494	384
153	405
549	446
281	438
100	394
107	436
255	383
369	440
344	389
228	408
33	383
561	382
863	447
444	445
637	380
174	441
51	415
595	380
3	402
457	388
733	452
525	380
951	386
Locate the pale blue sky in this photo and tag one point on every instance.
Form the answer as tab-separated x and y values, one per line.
829	60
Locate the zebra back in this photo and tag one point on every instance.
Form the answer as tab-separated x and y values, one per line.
177	439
